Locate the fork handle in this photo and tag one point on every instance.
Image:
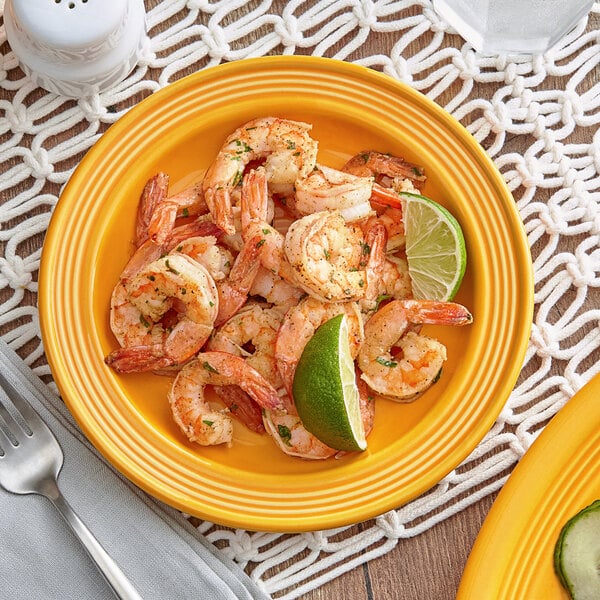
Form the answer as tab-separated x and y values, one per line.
116	579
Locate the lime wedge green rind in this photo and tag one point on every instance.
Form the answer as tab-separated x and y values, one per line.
435	248
325	391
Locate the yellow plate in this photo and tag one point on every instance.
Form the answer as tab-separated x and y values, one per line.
512	558
252	485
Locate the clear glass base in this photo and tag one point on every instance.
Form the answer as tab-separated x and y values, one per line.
514	26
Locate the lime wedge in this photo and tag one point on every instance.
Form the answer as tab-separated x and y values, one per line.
435	248
325	390
577	554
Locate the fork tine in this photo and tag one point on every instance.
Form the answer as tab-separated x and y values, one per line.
29	419
8	434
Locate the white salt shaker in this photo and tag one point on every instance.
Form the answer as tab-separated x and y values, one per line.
76	47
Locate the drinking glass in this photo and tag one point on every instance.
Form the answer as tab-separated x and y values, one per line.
519	26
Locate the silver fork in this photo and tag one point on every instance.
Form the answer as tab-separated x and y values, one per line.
30	460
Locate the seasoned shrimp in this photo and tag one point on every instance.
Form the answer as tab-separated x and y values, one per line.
289	153
325	253
388	170
233	277
186	203
395	282
157	212
392	175
251	334
299	325
204	249
276	290
328	189
174	283
404	378
192	412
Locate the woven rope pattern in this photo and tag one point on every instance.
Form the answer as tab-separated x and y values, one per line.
550	102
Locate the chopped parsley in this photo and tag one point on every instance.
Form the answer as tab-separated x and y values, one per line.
386	363
170	268
237	179
285	434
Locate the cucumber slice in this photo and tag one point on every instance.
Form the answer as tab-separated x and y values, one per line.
577	554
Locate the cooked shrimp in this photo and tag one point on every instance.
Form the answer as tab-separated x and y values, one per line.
388	170
405	377
328	189
251	333
172	283
325	253
276	290
128	325
395	282
186	203
191	411
392	175
233	277
154	192
289	153
205	250
299	325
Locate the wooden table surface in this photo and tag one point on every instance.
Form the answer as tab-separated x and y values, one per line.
428	566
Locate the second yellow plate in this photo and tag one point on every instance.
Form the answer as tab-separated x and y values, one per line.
252	484
513	556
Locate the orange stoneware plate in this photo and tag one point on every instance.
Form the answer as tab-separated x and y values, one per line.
252	484
512	558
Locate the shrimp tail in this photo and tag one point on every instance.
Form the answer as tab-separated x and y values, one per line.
233	292
135	359
241	406
194	229
374	259
155	191
434	312
385	197
219	203
227	368
255	197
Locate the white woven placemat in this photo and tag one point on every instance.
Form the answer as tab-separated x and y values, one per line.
549	104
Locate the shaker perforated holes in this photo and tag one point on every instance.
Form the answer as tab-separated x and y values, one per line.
71	4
